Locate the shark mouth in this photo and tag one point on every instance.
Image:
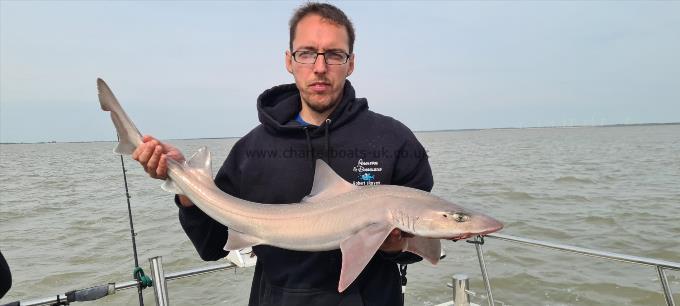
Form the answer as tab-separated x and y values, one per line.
468	235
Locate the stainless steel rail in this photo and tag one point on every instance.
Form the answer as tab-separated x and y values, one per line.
133	284
659	265
602	254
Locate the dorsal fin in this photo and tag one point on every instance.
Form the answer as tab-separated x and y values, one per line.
201	162
327	183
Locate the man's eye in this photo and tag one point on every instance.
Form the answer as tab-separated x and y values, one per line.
306	54
335	56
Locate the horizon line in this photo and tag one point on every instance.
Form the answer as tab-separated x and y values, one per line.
418	131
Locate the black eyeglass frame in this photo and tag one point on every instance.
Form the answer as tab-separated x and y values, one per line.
316	56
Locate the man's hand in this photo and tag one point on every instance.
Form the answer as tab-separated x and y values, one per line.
396	241
153	155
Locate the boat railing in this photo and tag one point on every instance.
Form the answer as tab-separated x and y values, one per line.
459	283
97	292
659	265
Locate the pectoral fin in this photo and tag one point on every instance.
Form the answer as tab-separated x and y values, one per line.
357	251
170	186
427	248
237	241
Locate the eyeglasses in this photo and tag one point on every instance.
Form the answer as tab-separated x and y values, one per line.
330	57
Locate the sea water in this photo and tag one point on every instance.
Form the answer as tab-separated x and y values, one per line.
64	222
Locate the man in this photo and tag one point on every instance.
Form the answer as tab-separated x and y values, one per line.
317	117
5	276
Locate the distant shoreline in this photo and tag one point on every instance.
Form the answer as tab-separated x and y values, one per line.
419	131
550	127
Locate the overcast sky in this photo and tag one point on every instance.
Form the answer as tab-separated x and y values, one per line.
194	69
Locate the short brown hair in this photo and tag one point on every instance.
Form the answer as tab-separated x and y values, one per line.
325	11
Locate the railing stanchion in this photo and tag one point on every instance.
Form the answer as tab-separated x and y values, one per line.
664	284
160	285
482	265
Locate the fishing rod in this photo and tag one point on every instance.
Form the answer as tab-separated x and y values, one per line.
143	281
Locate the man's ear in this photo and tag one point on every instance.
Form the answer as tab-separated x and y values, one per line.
289	61
351	65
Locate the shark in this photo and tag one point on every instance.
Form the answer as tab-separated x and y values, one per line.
335	215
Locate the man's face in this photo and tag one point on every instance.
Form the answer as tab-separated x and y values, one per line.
320	84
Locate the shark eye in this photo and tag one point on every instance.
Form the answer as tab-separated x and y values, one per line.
460	217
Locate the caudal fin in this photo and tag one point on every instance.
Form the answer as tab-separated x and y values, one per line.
106	97
128	135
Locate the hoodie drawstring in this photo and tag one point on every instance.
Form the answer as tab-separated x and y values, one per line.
327	144
310	150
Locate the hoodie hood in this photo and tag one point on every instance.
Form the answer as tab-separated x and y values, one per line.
277	106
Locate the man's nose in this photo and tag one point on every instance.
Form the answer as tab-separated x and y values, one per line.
320	64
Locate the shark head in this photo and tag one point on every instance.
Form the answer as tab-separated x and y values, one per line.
433	217
411	210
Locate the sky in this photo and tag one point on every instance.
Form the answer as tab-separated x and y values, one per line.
192	69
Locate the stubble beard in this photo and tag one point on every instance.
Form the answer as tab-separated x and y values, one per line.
322	107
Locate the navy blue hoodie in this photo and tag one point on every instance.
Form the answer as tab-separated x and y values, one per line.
5	276
274	163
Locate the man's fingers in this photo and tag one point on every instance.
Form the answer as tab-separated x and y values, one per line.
149	147
148	138
395	241
399	234
136	152
162	170
152	164
143	147
407	235
395	233
151	154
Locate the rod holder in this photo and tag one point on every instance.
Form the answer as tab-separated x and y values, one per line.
160	284
461	287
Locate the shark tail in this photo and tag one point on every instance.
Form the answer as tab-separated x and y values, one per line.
128	135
